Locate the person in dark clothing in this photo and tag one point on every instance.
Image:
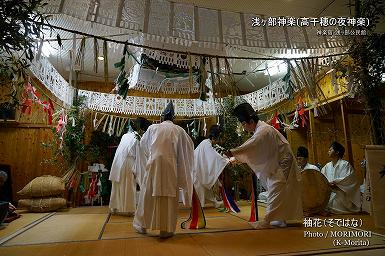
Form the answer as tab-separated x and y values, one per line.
7	214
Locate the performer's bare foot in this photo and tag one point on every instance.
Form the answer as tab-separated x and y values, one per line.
278	223
139	229
218	204
260	224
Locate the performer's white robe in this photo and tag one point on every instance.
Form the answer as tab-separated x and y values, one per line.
208	165
123	191
310	167
140	165
346	198
170	157
269	155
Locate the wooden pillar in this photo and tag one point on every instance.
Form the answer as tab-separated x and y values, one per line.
345	123
313	148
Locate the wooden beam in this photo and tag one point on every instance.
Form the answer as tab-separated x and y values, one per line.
345	123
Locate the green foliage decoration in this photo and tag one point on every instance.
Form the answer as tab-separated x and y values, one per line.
73	140
368	53
21	24
98	149
69	148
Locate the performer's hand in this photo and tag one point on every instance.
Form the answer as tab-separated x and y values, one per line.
233	161
11	207
228	154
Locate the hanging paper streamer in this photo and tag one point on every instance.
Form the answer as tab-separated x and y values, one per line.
95	120
72	60
130	129
202	80
275	122
190	71
74	182
92	190
61	126
204	126
300	117
212	76
197	216
79	60
229	202
278	121
254	205
62	122
49	109
122	81
110	130
30	95
123	123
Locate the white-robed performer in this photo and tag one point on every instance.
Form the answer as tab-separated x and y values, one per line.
170	157
345	196
126	172
269	155
302	160
208	165
140	158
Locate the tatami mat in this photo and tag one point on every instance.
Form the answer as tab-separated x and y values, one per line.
78	232
246	211
63	228
85	210
289	241
119	227
268	242
25	219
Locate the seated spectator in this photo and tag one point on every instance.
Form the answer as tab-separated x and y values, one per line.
345	196
11	209
302	158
